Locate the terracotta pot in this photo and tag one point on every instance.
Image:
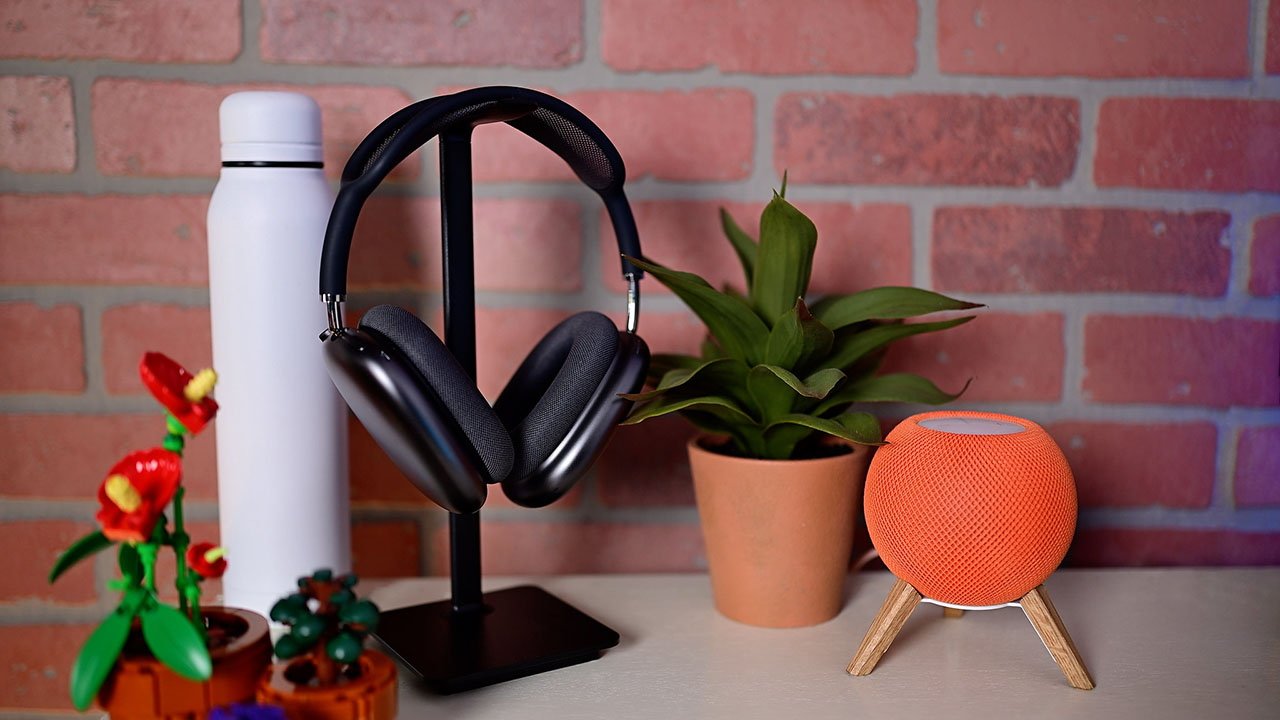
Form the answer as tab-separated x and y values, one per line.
141	687
778	532
367	694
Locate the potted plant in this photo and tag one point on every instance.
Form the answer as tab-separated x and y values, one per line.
148	659
778	477
327	673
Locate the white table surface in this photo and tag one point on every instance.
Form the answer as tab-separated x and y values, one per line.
1172	643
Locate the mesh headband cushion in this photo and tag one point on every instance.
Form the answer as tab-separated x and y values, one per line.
456	390
553	385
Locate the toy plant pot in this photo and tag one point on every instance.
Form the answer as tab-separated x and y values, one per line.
366	692
140	687
778	533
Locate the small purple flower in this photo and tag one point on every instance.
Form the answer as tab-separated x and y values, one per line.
247	711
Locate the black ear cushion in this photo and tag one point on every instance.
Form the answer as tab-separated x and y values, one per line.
553	385
479	424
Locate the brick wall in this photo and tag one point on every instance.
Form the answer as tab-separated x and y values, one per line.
1105	176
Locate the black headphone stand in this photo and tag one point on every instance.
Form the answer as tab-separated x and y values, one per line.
476	639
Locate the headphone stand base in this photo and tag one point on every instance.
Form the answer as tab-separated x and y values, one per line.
520	631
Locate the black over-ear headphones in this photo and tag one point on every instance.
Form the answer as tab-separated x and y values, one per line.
556	413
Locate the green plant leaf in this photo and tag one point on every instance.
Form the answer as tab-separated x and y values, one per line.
720	407
740	332
797	338
98	655
815	386
743	244
850	347
883	303
662	363
784	259
175	642
861	428
896	387
679	377
771	396
90	544
780	441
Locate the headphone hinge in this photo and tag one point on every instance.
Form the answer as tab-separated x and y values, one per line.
333	309
633	302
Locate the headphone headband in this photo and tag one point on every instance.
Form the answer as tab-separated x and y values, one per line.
552	122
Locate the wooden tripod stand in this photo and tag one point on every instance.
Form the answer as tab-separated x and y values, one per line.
903	599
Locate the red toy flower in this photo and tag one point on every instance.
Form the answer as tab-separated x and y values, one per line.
136	491
184	395
207	559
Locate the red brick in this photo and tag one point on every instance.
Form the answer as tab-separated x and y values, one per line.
386	548
165	128
1257	479
1127	547
520	245
927	139
667	332
662	479
1008	357
104	239
35	665
1182	361
66	457
128	331
1123	465
504	337
1053	249
1095	38
1273	39
1189	144
859	37
39	133
52	354
157	31
859	246
705	134
533	548
1264	256
489	33
26	573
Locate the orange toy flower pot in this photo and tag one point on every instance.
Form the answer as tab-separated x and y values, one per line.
141	688
778	532
367	694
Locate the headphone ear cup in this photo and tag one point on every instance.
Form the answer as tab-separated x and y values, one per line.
460	400
552	389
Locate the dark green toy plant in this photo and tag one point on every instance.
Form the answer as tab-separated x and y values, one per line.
132	501
776	375
327	627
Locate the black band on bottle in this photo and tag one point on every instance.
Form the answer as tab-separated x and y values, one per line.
272	164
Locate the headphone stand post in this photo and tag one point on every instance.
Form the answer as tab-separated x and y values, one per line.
474	638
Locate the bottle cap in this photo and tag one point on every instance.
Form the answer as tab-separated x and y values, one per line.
261	126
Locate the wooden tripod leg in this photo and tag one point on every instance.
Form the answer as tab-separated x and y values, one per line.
952	612
1044	618
893	613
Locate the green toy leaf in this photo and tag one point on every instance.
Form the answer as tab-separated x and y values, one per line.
98	655
363	614
896	387
851	347
175	642
130	564
884	303
740	332
743	244
90	544
287	610
307	630
344	648
783	260
287	647
861	428
797	338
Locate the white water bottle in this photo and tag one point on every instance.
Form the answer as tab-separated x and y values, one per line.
281	429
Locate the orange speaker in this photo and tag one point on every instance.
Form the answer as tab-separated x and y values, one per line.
971	511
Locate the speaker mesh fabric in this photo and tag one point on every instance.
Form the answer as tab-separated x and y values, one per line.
552	387
970	519
451	384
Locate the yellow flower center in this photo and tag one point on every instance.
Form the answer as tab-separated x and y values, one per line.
122	493
213	555
201	385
